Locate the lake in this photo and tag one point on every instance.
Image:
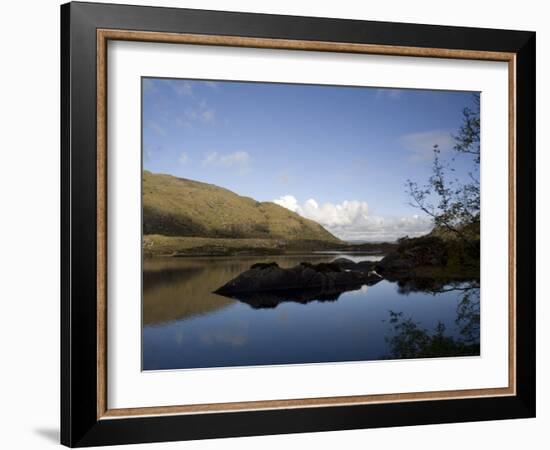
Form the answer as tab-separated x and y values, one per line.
186	326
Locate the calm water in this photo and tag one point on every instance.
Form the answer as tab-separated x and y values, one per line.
185	325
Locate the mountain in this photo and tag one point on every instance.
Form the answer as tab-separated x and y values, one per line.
179	207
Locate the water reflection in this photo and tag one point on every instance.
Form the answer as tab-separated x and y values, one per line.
185	325
271	299
177	288
174	289
408	339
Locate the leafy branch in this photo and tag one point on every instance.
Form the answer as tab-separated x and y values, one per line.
452	205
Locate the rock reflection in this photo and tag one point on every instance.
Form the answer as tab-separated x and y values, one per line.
187	326
271	299
180	288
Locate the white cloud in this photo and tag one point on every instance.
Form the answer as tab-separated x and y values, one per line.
182	87
147	153
335	215
196	111
201	112
184	158
238	159
350	220
288	202
389	93
149	86
385	228
184	123
394	93
420	145
157	128
207	115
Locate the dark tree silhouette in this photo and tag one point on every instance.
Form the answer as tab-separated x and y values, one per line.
453	205
409	339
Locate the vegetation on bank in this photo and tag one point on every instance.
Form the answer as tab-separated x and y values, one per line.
179	207
439	255
452	250
454	205
159	245
188	218
411	340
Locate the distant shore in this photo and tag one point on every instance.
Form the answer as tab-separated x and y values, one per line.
178	246
429	260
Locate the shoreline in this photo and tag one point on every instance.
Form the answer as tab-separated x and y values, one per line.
185	247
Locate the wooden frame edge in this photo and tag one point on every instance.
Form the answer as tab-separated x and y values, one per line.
103	36
290	44
512	200
101	223
206	408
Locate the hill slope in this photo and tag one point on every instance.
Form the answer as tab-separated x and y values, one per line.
179	207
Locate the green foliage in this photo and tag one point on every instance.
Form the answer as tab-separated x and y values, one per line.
468	315
453	205
468	138
410	340
438	255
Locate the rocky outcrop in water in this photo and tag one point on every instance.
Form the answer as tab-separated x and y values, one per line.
303	282
426	263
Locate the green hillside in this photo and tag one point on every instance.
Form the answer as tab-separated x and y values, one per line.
177	207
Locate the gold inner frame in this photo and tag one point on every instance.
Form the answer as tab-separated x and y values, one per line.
104	35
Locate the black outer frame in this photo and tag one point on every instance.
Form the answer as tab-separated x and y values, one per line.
79	423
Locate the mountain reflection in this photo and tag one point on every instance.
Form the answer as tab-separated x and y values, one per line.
179	288
186	325
176	289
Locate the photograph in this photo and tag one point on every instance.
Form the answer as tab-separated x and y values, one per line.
281	223
300	223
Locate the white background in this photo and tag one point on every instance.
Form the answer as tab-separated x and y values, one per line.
129	387
29	224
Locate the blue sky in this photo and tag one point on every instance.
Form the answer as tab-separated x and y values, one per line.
338	155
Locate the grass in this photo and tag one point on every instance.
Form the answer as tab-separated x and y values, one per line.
179	207
159	245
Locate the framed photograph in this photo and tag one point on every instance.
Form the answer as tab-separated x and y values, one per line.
276	224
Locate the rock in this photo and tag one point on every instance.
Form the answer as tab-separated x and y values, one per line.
272	278
263	265
395	263
344	263
412	254
348	264
365	266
